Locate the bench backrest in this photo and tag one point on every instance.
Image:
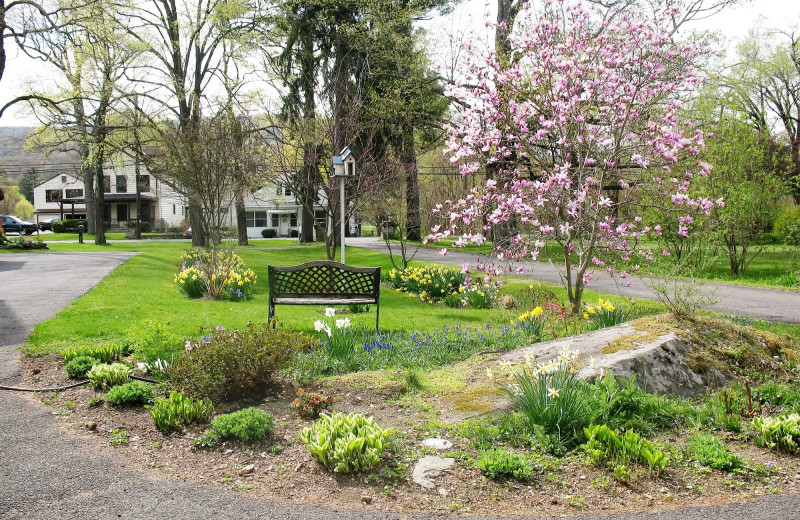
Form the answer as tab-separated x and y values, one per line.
324	278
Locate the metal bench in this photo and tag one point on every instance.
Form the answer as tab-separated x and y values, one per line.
324	282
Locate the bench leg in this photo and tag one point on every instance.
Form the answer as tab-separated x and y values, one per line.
377	315
271	314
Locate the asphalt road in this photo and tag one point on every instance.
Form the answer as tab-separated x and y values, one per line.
49	473
739	300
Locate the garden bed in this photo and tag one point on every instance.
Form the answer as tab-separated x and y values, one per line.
417	407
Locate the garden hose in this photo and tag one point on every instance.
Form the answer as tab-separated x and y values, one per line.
62	388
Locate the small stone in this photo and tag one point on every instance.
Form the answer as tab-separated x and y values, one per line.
247	470
92	426
297	468
437	444
36	371
228	452
664	490
366	499
443	492
429	467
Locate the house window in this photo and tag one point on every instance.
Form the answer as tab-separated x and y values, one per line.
287	192
293	219
122	184
74	194
274	220
320	217
63	178
52	195
279	191
144	183
106	184
174	211
256	219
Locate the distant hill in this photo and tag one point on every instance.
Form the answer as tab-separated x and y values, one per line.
15	160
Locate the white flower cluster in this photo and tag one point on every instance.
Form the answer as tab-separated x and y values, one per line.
330	312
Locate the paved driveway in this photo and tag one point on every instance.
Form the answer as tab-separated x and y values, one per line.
763	304
49	473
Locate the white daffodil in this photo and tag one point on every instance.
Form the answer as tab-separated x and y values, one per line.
330	312
318	325
343	324
552	392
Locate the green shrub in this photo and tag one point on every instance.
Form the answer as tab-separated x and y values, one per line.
480	296
250	424
710	451
79	366
779	433
103	376
152	340
787	225
453	300
623	405
345	443
228	365
170	414
105	353
135	392
606	445
485	432
269	233
501	463
554	402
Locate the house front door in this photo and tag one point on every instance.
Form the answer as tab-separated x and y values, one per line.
283	225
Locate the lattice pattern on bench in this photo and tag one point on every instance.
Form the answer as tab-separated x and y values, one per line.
324	282
324	279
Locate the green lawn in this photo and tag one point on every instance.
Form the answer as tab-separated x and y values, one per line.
143	289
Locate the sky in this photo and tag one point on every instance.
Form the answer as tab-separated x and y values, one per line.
733	23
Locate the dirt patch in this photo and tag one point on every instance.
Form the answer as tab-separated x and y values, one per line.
283	468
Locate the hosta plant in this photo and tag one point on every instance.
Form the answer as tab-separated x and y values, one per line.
170	414
104	353
779	433
345	443
104	376
606	445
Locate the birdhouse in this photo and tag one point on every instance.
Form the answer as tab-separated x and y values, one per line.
344	165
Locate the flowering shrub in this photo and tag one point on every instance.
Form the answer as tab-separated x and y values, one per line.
219	274
310	404
604	314
430	283
230	364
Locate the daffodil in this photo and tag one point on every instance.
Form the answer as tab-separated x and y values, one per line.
552	392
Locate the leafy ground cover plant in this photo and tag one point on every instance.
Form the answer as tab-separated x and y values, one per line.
309	404
779	433
135	392
710	451
239	363
621	451
345	443
170	414
104	376
219	274
77	367
247	425
105	353
500	463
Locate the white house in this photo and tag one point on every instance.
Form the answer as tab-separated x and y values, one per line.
63	196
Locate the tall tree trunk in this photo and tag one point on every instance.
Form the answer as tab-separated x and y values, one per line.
241	220
99	204
408	157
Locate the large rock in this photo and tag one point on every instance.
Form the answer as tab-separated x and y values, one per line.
430	467
660	360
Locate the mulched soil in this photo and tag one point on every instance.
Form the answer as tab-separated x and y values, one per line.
281	467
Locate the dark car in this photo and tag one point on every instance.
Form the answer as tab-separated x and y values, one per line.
12	224
47	225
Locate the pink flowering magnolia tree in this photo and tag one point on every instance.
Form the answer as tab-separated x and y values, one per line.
580	131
